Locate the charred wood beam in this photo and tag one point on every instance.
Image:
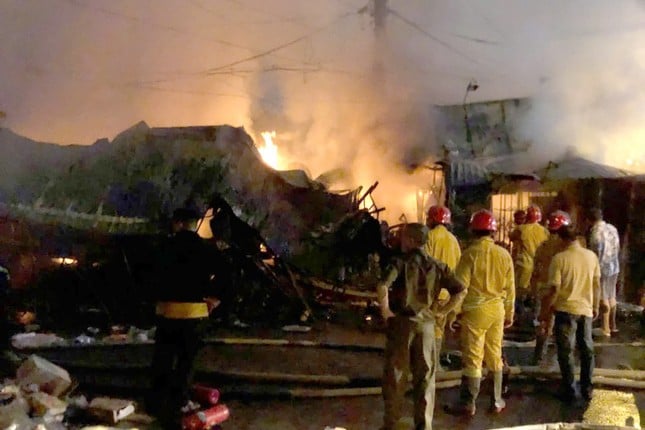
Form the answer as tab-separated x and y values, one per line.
367	193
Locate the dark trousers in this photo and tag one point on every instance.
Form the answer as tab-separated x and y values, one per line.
410	345
177	342
569	329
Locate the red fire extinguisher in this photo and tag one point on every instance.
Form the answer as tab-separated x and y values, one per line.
206	419
205	395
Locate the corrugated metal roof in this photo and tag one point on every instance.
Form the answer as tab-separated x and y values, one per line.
579	168
479	171
468	172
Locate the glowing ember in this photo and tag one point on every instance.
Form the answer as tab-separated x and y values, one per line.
269	151
368	203
65	261
204	226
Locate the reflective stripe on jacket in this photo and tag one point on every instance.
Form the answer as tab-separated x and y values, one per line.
182	310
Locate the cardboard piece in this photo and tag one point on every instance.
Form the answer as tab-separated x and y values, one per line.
49	378
44	404
110	410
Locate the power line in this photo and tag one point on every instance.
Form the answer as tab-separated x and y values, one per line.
141	21
166	27
262	12
279	47
475	39
432	37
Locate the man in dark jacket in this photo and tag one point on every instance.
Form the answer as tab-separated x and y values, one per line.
188	271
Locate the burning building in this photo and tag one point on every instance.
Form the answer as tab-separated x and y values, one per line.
490	163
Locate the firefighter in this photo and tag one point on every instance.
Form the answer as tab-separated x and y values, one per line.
185	299
406	296
574	296
486	270
442	245
528	236
539	285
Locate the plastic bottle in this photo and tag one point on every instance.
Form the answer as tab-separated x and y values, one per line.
206	419
205	395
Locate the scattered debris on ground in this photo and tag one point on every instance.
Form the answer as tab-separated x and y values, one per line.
41	396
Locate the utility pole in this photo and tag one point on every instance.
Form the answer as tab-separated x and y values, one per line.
379	12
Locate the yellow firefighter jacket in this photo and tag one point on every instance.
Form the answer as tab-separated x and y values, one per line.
543	256
530	237
486	270
443	246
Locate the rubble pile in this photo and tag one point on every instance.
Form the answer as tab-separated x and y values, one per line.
41	396
111	204
132	183
92	336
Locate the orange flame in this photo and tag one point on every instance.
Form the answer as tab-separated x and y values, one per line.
269	150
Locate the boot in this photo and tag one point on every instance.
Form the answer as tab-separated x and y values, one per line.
538	353
468	393
497	402
437	356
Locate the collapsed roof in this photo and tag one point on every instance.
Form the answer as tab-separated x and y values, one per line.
132	184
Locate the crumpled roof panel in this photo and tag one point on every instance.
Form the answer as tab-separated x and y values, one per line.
579	168
468	172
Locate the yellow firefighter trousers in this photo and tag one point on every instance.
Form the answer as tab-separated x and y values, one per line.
410	345
439	331
482	332
440	324
523	272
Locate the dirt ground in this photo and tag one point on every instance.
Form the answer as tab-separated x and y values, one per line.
253	409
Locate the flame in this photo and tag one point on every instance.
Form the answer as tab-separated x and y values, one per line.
368	203
65	261
269	151
204	230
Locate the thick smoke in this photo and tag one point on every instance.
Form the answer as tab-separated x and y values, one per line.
591	101
337	96
366	120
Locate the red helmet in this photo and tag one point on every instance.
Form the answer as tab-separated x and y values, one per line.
533	214
519	216
483	220
556	220
439	215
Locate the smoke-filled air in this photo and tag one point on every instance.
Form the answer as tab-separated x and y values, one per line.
349	89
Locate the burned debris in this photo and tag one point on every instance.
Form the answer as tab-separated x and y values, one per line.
273	233
42	395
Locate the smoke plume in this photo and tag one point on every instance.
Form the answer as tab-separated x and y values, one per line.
337	95
591	100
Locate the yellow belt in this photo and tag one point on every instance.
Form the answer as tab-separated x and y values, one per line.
181	310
